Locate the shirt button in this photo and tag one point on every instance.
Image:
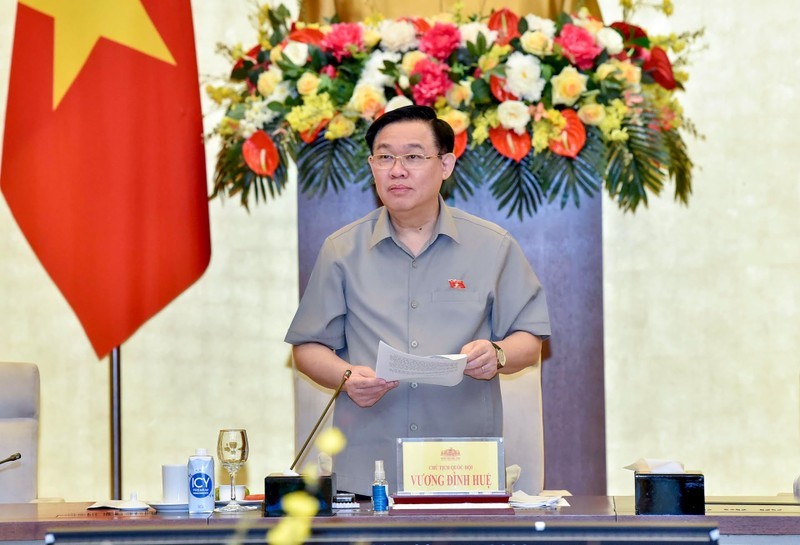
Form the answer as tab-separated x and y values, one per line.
413	427
414	304
414	344
414	385
413	264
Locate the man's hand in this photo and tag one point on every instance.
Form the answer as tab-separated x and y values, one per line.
364	388
481	359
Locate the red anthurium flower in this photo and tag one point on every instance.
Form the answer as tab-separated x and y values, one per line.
251	55
460	144
508	143
573	137
659	67
420	25
260	154
309	136
506	23
310	36
498	88
629	32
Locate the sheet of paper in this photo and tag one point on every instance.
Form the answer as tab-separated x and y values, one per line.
444	370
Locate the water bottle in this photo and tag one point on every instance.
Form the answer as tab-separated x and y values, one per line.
380	489
201	482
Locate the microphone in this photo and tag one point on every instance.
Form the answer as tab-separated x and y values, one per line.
15	456
322	417
277	485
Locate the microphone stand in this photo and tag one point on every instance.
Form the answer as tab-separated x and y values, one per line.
15	456
321	417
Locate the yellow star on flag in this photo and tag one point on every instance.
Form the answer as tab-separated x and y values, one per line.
80	24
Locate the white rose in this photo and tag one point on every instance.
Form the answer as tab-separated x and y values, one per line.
397	35
297	52
397	102
373	74
524	76
469	33
610	39
546	26
514	115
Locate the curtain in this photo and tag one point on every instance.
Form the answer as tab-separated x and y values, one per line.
351	10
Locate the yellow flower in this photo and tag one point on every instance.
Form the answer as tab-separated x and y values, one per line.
300	504
308	83
492	58
368	101
268	80
604	70
410	60
459	94
591	114
480	129
568	86
339	127
332	440
371	37
290	531
457	119
536	43
315	110
276	54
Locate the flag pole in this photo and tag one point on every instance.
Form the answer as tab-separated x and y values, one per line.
116	425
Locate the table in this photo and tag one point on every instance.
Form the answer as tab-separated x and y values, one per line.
740	519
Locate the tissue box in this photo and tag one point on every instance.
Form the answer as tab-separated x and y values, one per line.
670	493
277	485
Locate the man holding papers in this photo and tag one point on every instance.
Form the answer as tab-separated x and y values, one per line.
426	279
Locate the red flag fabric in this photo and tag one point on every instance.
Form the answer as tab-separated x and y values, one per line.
103	164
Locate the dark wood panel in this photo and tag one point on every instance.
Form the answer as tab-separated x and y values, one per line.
565	248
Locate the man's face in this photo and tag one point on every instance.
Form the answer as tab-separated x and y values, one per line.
407	190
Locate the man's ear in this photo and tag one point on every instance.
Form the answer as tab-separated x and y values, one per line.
449	163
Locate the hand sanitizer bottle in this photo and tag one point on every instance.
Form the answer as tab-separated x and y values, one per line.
380	489
201	482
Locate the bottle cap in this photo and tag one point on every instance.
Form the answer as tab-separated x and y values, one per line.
200	452
380	474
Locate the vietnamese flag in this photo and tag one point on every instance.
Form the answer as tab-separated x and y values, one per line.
103	161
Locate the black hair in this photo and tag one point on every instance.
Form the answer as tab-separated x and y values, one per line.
443	135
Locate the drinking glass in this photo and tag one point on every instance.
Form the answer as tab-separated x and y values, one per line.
232	451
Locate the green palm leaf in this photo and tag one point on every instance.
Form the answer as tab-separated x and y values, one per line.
331	164
680	168
233	176
569	177
637	165
477	166
518	186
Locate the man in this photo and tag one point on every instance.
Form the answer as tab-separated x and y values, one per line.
426	279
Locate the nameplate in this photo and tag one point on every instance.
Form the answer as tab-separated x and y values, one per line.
450	465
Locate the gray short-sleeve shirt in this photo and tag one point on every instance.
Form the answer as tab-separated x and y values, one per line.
472	281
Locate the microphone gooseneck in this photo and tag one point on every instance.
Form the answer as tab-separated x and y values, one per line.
15	456
322	416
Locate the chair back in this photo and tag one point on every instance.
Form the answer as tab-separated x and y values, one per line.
19	431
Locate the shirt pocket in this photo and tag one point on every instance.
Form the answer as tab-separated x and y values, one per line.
455	296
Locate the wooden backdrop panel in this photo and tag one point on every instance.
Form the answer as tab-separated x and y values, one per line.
565	248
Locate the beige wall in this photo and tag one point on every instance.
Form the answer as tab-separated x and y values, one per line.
701	303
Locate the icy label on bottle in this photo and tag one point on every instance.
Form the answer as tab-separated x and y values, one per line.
200	485
380	500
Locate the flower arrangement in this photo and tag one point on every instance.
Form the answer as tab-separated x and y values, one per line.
542	110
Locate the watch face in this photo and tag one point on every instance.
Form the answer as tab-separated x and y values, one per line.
501	356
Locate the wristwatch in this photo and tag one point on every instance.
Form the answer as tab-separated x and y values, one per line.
501	356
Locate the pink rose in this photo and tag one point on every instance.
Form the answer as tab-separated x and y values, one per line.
434	81
343	40
578	46
440	41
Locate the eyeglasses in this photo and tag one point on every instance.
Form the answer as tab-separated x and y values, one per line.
411	161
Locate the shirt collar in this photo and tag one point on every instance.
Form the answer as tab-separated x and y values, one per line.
445	225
